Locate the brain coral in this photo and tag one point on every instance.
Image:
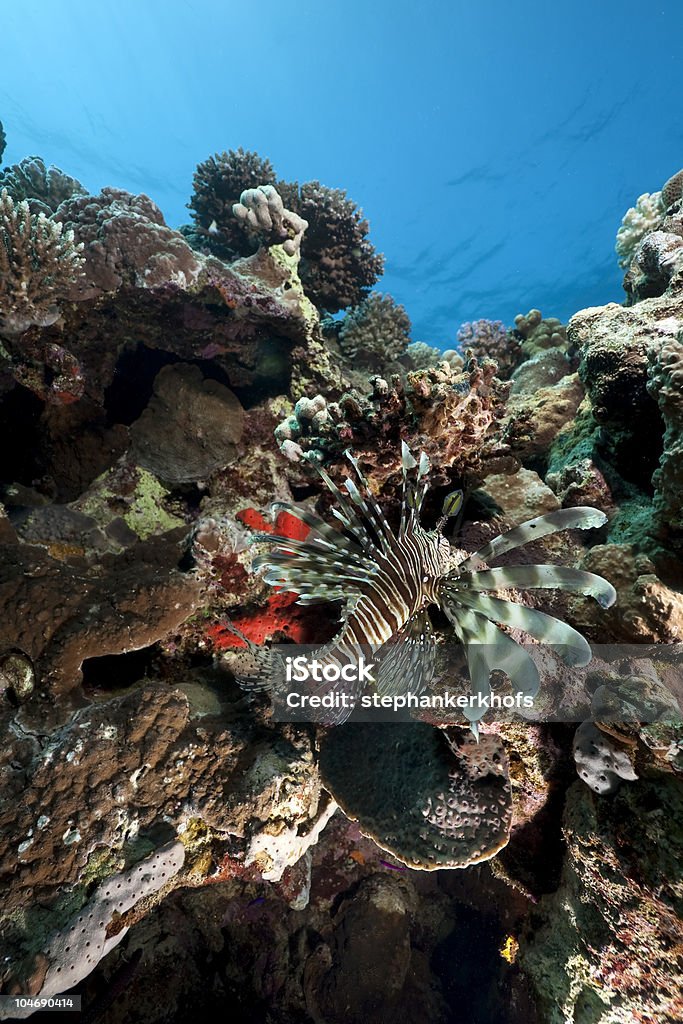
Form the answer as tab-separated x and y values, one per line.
38	264
44	187
429	803
375	333
338	265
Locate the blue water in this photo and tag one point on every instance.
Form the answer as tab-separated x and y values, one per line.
493	146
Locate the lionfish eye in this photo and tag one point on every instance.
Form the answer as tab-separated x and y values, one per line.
452	504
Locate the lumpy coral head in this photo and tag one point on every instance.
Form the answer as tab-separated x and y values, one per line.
429	802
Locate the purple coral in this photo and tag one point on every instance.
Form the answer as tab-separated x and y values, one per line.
491	339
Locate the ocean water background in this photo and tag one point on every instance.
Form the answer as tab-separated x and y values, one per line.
493	146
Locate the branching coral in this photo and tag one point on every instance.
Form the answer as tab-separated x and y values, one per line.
44	187
339	265
38	265
490	339
375	333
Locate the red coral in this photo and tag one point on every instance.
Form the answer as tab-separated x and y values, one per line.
286	525
280	614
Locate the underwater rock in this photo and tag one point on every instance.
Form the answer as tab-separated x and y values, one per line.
520	496
190	428
541	371
533	421
60	615
131	763
665	385
459	810
646	610
615	345
605	946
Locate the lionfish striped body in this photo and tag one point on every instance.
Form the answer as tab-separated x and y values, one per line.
388	581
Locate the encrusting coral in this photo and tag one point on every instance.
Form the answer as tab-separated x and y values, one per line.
39	262
376	333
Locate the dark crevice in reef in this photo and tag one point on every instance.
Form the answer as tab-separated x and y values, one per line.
20	413
129	393
119	671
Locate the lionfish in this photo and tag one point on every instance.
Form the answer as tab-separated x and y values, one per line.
388	581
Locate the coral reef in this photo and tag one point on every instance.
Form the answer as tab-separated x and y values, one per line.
159	390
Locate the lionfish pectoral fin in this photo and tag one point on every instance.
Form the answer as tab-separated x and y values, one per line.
570	645
542	577
583	518
488	649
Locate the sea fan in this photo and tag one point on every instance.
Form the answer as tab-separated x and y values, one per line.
389	580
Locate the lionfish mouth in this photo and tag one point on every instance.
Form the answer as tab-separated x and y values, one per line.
387	580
